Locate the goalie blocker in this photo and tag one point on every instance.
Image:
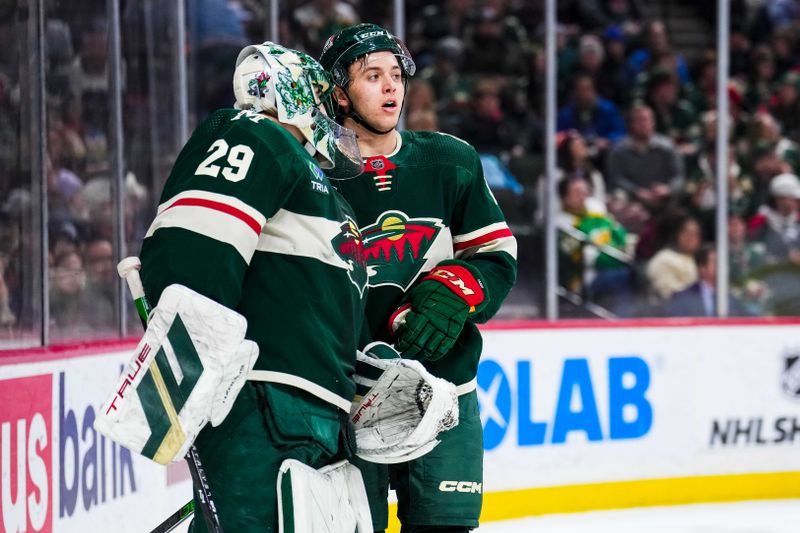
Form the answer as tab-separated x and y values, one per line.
186	371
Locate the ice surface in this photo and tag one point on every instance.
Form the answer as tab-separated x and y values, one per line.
771	516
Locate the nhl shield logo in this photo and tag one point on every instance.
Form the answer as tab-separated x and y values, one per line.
790	378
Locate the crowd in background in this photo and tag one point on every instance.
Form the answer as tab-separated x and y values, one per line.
635	147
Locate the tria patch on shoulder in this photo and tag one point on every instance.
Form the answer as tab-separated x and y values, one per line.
319	181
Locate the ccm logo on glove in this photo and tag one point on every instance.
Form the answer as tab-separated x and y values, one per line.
461	281
433	313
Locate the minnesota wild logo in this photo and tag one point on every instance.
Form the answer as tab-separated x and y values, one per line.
395	248
349	246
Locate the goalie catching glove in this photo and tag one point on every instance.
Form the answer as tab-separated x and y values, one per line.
430	321
401	407
186	371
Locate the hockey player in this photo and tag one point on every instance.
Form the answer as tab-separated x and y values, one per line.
248	219
440	259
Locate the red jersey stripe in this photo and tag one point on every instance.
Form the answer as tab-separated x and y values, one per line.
224	208
483	239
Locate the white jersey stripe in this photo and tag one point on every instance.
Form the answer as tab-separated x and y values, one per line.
472	235
290	233
231	201
210	223
506	244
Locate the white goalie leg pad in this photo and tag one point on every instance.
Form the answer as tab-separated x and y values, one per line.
186	371
329	500
405	409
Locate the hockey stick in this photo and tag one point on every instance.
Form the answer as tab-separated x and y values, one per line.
128	269
176	518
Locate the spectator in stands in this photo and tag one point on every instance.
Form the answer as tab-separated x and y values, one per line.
761	77
736	110
451	87
675	117
702	193
592	258
101	283
745	257
484	123
591	54
598	120
63	189
93	73
785	105
318	19
67	298
657	45
496	42
783	41
573	159
745	260
740	50
765	130
700	298
763	164
612	81
16	246
436	22
98	207
63	238
777	225
644	170
673	269
702	90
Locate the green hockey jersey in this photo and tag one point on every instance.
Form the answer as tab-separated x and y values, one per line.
248	219
426	202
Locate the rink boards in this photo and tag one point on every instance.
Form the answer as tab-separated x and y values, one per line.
58	474
575	418
579	418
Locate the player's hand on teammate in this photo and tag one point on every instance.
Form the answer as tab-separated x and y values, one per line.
427	326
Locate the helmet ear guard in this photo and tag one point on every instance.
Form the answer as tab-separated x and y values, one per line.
294	88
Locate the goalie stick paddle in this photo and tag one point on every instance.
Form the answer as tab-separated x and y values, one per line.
128	269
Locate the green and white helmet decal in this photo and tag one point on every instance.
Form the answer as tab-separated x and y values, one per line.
292	86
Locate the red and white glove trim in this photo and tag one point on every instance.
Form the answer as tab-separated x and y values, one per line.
398	317
461	281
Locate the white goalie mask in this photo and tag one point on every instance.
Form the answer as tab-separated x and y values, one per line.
293	87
